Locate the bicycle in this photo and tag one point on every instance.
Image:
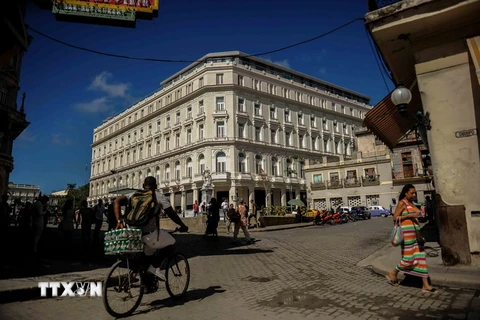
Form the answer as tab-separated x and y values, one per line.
139	278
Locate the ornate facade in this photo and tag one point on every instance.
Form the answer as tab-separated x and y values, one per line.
253	124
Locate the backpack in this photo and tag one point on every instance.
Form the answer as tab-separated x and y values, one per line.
141	208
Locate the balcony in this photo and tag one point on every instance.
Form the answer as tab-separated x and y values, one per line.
371	180
221	176
318	186
335	184
378	4
352	183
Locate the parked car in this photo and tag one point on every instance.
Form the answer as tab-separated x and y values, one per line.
378	211
361	212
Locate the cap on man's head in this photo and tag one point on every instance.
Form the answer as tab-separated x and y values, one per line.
150	182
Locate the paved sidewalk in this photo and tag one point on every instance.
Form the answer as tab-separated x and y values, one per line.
26	288
460	276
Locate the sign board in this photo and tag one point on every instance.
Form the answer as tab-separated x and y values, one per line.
148	6
109	12
93	12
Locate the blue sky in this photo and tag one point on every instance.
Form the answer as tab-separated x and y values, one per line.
69	92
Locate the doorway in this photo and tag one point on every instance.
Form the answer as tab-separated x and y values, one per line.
260	198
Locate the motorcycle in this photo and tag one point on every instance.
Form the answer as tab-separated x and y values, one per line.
322	217
337	218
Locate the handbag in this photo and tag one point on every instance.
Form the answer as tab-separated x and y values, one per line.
420	238
397	233
418	234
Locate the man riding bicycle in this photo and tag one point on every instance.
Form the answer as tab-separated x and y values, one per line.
153	237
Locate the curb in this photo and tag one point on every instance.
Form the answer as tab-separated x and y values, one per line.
440	276
280	228
33	292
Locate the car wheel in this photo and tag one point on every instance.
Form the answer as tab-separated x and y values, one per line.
382	215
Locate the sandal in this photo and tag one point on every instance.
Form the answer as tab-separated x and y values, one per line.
392	282
432	290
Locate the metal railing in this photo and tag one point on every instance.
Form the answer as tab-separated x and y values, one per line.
378	4
371	180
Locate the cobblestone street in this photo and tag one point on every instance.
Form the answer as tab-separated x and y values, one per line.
307	273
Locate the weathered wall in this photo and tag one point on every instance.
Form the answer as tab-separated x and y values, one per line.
446	89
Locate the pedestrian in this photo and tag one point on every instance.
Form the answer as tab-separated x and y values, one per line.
413	252
68	214
230	213
213	217
86	222
242	223
99	210
253	214
225	209
112	221
195	209
39	213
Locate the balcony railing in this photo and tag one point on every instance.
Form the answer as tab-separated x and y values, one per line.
371	180
352	183
378	4
318	186
335	184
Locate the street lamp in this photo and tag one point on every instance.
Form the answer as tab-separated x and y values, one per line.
401	97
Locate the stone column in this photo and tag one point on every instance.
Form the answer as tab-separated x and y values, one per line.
183	202
283	196
251	194
195	193
172	196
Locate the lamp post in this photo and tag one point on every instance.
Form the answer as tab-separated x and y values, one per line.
401	97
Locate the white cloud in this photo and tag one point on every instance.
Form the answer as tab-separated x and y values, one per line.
284	63
98	105
101	83
61	140
27	136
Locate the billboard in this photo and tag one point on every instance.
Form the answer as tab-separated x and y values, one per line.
147	6
109	12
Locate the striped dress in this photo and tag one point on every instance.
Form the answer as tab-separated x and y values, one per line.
413	256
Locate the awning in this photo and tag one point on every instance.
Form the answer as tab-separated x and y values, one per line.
385	121
474	48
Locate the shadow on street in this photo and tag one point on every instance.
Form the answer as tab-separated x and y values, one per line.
191	295
55	258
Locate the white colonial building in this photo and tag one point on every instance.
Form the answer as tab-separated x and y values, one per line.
252	123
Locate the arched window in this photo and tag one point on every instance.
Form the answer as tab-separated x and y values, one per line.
177	170
189	168
201	163
127	181
242	163
221	162
157	174
134	180
275	168
167	172
258	164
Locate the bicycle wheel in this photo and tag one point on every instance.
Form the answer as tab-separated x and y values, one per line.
177	276
118	288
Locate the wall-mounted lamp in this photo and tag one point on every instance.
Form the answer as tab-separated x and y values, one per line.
401	97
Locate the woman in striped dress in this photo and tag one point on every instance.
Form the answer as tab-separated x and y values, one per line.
413	254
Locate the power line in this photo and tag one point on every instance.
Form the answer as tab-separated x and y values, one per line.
376	60
180	61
